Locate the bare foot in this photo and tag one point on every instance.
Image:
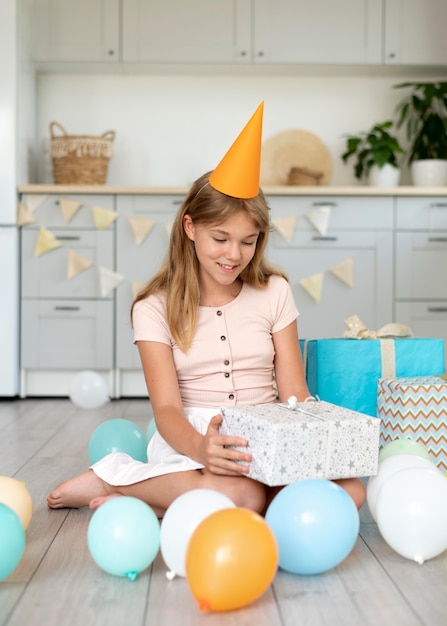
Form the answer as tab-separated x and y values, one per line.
95	503
78	491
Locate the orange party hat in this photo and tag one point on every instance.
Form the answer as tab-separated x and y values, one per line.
237	174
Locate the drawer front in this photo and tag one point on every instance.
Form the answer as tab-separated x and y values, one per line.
157	207
340	212
48	209
421	259
46	276
75	334
422	213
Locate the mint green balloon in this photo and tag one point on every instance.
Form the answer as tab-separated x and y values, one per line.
124	536
117	435
404	446
12	541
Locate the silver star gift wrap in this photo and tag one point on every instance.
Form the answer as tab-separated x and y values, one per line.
312	440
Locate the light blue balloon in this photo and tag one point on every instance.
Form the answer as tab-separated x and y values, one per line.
151	429
12	541
117	435
124	536
316	525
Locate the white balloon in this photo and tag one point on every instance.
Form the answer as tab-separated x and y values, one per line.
412	513
387	468
88	390
180	521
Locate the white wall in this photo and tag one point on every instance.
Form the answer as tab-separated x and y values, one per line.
171	129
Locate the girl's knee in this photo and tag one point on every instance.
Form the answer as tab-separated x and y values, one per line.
243	491
253	496
249	494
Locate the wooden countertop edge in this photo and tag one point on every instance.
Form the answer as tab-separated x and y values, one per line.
277	191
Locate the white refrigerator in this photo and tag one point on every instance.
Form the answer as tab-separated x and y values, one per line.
9	239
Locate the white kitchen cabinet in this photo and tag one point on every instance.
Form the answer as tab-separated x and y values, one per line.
415	32
265	31
174	31
419	255
66	335
425	213
358	229
421	258
322	31
76	30
67	324
138	262
46	276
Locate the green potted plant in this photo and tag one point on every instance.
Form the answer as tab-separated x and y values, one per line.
424	113
376	154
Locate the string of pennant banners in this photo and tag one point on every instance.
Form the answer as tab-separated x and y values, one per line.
318	217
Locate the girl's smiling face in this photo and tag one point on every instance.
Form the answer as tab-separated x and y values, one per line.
223	250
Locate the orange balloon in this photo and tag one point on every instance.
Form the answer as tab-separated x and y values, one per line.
13	493
231	559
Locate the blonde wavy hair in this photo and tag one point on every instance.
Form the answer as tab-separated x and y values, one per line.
178	277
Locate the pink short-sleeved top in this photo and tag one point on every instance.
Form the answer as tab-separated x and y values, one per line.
231	357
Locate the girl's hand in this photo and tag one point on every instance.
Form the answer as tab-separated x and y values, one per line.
216	454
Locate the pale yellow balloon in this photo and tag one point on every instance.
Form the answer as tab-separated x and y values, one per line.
15	495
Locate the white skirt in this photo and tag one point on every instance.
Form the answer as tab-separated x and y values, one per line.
119	469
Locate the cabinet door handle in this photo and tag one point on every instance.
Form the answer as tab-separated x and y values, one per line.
69	238
438	205
322	203
177	202
438	239
322	238
437	309
67	308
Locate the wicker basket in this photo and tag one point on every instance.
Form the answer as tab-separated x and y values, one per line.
80	159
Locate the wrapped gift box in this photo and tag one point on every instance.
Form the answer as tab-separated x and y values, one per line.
415	408
313	440
346	371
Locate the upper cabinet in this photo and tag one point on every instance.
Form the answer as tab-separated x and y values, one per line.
76	30
415	32
263	31
247	32
321	31
175	31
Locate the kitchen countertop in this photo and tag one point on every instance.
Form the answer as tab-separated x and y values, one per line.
278	191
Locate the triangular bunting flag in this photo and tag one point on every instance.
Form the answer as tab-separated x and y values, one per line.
344	271
46	241
319	218
141	227
24	216
103	217
109	280
136	288
77	264
285	226
33	201
313	285
69	207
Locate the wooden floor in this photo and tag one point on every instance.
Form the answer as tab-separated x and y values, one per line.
57	582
